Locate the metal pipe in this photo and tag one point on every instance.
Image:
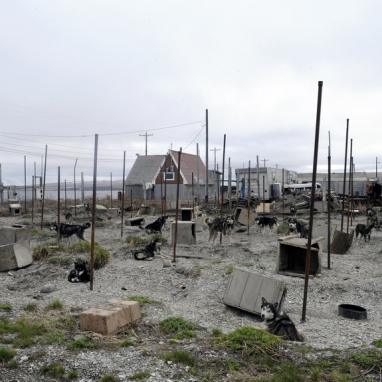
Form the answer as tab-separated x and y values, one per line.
312	197
177	207
343	190
123	191
329	201
93	211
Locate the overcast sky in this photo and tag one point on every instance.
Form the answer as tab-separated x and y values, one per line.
118	68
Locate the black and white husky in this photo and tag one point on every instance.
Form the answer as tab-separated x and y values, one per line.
80	273
262	221
278	323
296	226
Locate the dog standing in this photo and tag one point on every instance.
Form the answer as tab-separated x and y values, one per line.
364	231
262	221
296	226
279	323
148	252
80	273
222	225
68	230
156	227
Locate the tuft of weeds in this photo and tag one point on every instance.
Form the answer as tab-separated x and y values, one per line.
13	364
232	365
82	343
6	306
72	374
229	269
55	369
175	325
58	260
101	255
181	356
37	233
134	241
249	340
107	378
55	305
55	338
140	376
216	332
44	251
127	343
144	300
260	266
378	343
7	354
283	228
31	307
25	330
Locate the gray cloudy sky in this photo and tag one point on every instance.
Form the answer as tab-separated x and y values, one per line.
121	68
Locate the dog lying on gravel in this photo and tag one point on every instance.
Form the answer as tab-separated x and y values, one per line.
148	252
80	273
279	323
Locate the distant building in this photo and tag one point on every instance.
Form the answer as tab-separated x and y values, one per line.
156	176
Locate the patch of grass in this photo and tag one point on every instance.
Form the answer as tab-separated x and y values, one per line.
30	307
55	338
176	324
82	343
283	228
127	343
233	366
107	378
43	251
37	233
72	374
229	269
216	332
134	241
184	334
55	305
101	255
7	354
5	306
378	343
248	340
25	330
13	364
57	260
140	375
55	369
144	300
181	356
260	266
369	358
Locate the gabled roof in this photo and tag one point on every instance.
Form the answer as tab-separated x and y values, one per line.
145	169
189	165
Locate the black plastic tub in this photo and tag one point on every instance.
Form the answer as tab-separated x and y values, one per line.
352	311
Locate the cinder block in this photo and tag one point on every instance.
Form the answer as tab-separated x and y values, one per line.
9	235
135	310
110	319
15	255
186	233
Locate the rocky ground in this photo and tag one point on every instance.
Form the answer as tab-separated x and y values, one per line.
192	288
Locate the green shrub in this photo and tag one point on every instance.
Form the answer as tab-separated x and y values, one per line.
55	305
82	343
7	354
181	356
43	251
107	378
5	306
101	255
30	307
176	324
54	369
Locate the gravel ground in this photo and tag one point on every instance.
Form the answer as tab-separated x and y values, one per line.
353	278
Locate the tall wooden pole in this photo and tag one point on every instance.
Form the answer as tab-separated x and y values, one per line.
329	201
43	188
58	205
312	197
177	207
123	191
206	197
93	211
343	190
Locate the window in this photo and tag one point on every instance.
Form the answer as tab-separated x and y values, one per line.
169	176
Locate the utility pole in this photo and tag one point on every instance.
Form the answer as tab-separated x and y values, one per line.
206	196
145	135
376	169
215	175
265	160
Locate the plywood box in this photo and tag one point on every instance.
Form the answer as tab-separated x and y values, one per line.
110	319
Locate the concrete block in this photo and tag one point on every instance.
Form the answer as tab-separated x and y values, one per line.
146	210
15	255
112	318
186	233
245	290
9	235
114	211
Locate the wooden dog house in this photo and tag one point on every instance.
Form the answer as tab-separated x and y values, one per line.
291	256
